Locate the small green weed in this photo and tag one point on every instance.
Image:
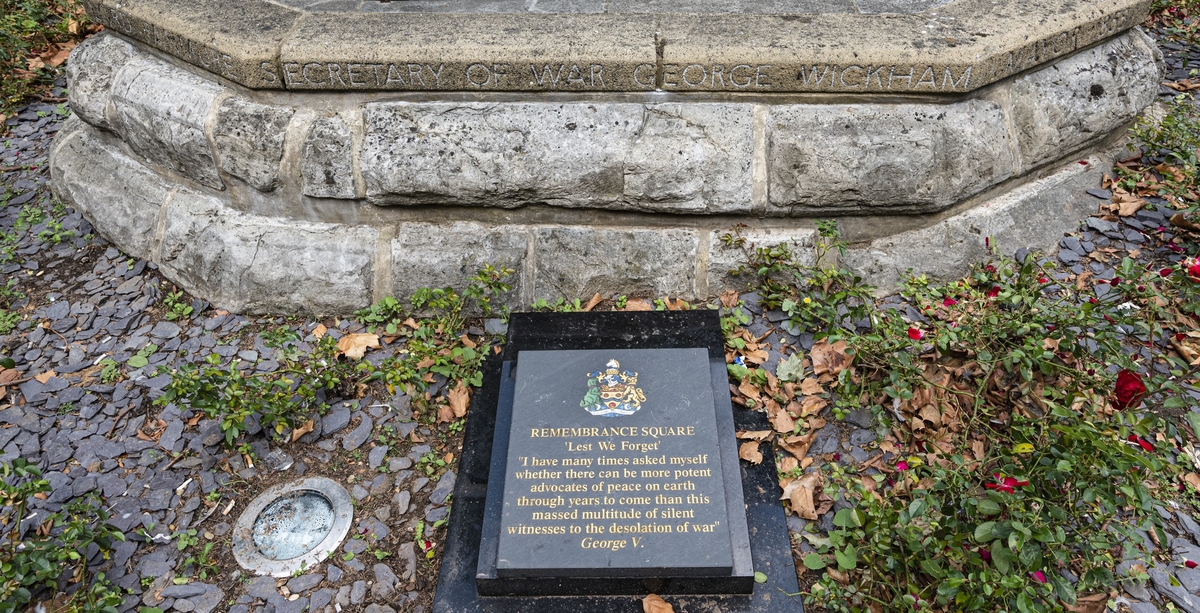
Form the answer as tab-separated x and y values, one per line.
31	568
176	306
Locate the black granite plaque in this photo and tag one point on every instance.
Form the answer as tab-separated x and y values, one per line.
470	580
613	467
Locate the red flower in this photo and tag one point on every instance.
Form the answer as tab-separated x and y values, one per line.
1129	391
901	465
985	554
1116	281
916	334
1038	576
1193	269
1043	280
1190	564
949	302
1005	484
1145	444
995	291
1166	272
989	268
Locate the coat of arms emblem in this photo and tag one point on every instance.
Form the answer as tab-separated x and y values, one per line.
613	392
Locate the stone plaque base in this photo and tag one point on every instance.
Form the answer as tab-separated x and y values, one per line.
468	582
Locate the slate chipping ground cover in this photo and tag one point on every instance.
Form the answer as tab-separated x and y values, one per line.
163	470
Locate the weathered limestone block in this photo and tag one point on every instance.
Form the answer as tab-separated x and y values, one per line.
90	72
883	158
327	163
162	112
584	260
724	258
249	140
119	195
1032	216
1084	97
250	263
441	255
692	158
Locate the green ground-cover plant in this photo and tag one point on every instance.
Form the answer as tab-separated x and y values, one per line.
286	398
9	295
33	34
1019	451
33	565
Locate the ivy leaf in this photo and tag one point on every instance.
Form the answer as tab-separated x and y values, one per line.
847	558
791	368
983	532
760	577
814	561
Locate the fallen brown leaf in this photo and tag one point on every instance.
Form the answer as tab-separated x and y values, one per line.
460	398
445	414
64	50
729	298
831	359
638	304
466	340
411	323
798	445
1193	480
591	304
653	604
750	453
1092	603
788	464
783	422
755	435
46	376
811	405
802	494
8	375
354	346
1179	221
811	387
302	430
319	331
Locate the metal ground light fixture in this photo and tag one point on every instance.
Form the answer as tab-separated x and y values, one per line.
292	526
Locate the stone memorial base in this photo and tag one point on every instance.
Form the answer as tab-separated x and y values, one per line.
282	156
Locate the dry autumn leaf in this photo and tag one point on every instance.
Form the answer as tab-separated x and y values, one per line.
811	387
460	398
1092	603
750	453
729	298
783	422
831	359
755	435
638	304
1193	480
319	331
46	376
798	445
8	375
354	346
654	604
802	493
302	430
64	50
591	304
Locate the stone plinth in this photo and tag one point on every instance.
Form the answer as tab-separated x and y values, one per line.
320	155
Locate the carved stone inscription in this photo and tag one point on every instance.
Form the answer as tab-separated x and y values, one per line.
732	77
613	466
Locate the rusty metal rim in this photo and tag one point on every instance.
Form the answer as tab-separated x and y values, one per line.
250	558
